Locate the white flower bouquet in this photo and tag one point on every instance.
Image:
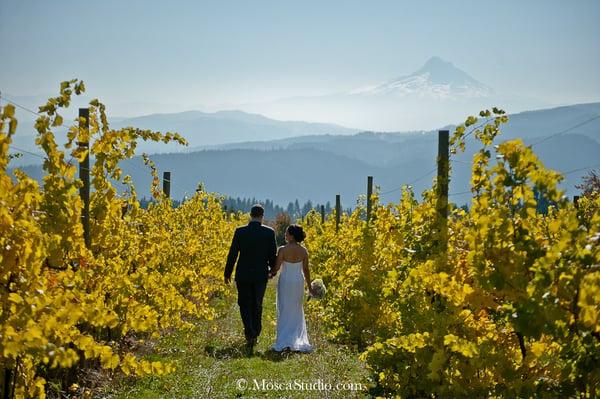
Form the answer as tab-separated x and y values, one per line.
318	289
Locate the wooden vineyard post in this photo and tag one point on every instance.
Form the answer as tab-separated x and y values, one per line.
442	192
369	195
167	184
84	172
7	384
322	214
576	201
338	212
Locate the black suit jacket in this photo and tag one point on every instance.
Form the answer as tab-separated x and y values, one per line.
257	251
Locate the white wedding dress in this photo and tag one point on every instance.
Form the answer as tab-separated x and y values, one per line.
291	325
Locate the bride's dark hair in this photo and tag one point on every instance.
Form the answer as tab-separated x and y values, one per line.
297	232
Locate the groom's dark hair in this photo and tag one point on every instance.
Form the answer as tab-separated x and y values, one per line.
257	211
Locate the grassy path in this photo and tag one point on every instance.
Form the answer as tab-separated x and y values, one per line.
212	362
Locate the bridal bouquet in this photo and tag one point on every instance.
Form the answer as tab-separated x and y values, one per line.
318	289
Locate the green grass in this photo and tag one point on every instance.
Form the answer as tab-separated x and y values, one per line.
212	361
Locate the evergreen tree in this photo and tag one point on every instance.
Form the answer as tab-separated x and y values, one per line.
297	211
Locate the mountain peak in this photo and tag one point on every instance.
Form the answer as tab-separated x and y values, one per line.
437	78
444	72
437	62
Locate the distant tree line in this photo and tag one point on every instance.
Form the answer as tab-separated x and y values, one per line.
294	209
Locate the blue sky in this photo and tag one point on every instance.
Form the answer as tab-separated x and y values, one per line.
229	52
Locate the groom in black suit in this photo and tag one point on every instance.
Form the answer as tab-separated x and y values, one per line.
257	251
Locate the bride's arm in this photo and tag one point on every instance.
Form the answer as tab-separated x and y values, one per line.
278	261
306	272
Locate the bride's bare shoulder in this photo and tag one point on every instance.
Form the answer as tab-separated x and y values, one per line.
305	251
302	251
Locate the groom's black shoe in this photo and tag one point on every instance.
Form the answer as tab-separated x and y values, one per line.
251	342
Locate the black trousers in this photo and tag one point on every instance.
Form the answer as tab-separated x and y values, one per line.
250	299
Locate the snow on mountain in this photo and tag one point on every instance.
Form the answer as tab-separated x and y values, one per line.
437	94
437	79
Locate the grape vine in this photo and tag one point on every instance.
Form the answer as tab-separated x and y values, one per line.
511	310
146	271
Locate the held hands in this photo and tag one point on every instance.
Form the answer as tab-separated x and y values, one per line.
273	272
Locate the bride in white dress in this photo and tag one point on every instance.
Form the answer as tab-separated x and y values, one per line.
293	261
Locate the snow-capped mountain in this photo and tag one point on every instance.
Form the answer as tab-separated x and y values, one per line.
437	94
436	79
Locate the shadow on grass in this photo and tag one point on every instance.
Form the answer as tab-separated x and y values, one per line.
275	356
235	351
240	350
